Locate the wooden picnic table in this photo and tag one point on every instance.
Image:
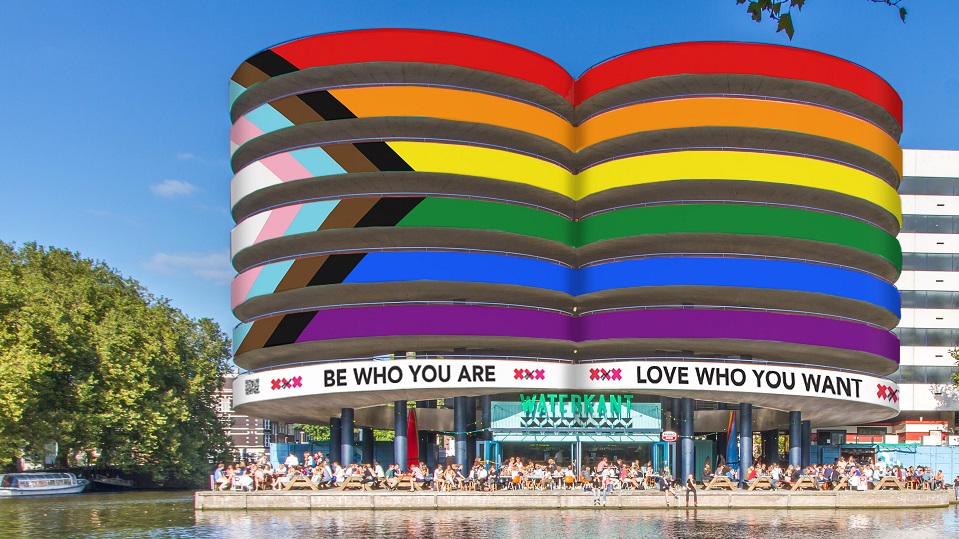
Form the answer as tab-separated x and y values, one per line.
356	481
300	482
804	482
889	482
761	482
841	484
407	482
720	481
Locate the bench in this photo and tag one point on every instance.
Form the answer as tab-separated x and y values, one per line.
761	482
841	484
300	482
356	481
889	482
406	483
720	481
804	483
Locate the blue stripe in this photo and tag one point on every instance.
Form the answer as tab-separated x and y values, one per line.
317	161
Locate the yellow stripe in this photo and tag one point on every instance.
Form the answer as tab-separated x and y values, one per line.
485	162
700	165
737	165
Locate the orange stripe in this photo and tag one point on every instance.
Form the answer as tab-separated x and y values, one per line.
740	112
477	107
456	105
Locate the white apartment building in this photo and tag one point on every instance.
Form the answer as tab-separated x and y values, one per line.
929	285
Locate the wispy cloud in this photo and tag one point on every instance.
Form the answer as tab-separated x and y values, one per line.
173	188
186	156
214	267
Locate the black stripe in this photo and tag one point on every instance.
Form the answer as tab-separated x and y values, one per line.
272	63
335	269
327	106
382	156
289	329
388	211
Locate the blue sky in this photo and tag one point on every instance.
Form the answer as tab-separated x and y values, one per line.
115	125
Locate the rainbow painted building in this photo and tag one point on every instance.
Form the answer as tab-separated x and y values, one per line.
424	215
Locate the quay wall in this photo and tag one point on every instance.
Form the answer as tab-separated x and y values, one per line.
250	501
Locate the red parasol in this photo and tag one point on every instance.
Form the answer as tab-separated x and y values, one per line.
412	441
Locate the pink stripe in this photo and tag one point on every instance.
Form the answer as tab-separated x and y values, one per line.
286	167
241	286
277	223
244	130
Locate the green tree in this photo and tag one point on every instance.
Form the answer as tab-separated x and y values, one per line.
773	9
90	360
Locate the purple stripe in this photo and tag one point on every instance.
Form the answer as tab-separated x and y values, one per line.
437	320
745	325
358	322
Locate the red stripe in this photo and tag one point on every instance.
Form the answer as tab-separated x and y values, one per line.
739	58
428	46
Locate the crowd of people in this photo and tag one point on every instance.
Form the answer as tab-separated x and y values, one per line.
600	479
857	476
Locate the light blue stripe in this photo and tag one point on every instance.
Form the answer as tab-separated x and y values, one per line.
310	217
269	277
318	162
235	91
239	333
268	119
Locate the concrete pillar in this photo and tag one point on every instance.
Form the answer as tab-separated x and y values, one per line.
687	444
806	442
771	446
471	428
459	426
400	416
745	439
795	435
335	454
486	417
676	415
367	444
346	436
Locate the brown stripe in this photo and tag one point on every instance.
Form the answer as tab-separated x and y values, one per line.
246	75
300	273
259	334
348	212
348	157
296	110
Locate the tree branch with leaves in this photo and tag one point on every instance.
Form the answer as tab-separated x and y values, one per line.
781	11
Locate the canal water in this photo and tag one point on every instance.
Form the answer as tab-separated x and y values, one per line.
164	514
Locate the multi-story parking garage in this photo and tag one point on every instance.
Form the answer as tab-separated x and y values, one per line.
425	215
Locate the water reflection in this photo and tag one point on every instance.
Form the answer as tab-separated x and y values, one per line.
594	524
171	515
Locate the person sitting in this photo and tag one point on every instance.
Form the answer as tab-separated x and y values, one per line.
418	477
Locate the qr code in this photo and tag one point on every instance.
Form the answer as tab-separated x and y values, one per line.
253	387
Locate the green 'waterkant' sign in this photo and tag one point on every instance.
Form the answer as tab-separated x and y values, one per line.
575	412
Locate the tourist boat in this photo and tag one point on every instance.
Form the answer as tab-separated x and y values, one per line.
40	484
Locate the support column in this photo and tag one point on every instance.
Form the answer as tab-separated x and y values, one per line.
400	416
346	436
677	413
486	417
471	428
795	435
367	444
687	445
335	440
771	446
459	426
745	440
806	442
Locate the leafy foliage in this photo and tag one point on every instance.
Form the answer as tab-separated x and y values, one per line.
773	9
321	433
90	360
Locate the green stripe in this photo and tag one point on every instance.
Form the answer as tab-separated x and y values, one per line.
672	219
485	215
742	219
